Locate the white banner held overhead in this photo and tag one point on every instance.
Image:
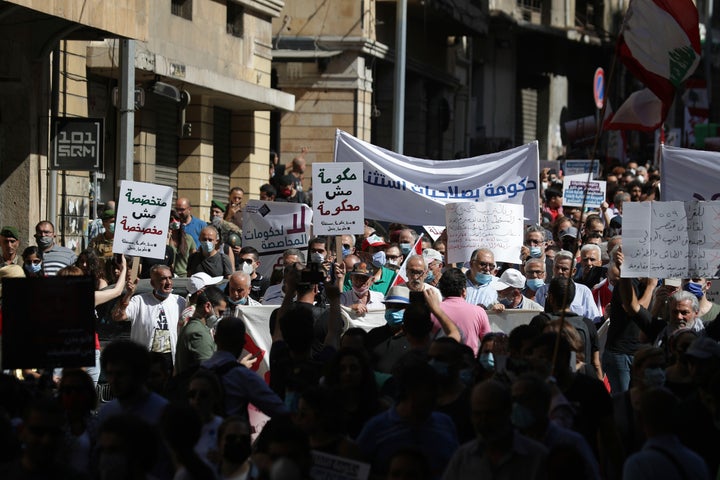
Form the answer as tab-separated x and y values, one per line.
689	174
415	191
574	187
273	227
496	226
338	199
142	219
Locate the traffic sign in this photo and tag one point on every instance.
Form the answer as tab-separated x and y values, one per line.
599	88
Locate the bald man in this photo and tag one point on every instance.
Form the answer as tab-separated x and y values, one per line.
193	225
238	292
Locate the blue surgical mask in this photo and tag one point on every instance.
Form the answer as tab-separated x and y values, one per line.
521	416
695	289
33	268
534	283
487	360
405	248
379	259
207	246
111	228
430	277
483	278
161	294
345	252
535	252
506	301
242	301
441	368
212	320
394	316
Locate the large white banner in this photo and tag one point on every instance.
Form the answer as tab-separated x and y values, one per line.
273	227
496	226
415	191
142	219
689	174
338	199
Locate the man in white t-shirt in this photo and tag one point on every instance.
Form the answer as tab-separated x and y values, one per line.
153	315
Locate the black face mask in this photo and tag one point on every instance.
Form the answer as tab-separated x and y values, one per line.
237	448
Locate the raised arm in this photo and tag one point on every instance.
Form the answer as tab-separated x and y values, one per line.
448	326
103	296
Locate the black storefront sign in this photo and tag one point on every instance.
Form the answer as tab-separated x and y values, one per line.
77	144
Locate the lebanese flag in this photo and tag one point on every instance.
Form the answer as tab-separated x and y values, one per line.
401	277
660	45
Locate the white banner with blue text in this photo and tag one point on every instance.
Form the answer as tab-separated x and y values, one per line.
415	191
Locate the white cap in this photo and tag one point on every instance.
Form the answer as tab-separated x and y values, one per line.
430	254
200	280
510	278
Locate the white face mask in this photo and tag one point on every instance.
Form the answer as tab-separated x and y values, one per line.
247	268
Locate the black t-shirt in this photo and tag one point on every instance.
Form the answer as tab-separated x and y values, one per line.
258	285
217	265
386	348
623	334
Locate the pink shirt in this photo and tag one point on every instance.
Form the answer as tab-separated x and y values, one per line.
471	320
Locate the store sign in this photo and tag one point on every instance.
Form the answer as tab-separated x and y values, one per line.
77	144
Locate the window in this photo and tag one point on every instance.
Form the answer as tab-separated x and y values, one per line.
182	8
234	19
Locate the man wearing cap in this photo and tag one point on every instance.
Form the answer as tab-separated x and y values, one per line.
9	243
568	239
154	315
360	298
103	243
435	263
373	251
195	342
471	320
196	284
479	277
96	227
510	287
224	228
287	191
54	256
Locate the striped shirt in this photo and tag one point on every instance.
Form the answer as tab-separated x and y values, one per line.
57	258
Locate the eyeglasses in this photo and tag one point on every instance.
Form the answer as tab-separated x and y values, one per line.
480	264
415	273
392	257
346	246
534	272
201	394
249	261
535	242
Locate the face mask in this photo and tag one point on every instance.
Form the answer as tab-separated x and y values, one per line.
379	259
483	278
394	316
111	228
506	301
247	268
317	257
694	288
44	242
360	291
430	277
544	185
535	283
395	262
207	246
33	268
487	360
535	252
161	295
405	248
441	368
112	466
654	377
237	449
212	320
242	301
174	225
285	192
345	252
521	416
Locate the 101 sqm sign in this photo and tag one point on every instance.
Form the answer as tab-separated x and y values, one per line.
77	144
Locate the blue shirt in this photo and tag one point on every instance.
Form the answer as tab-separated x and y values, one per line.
483	295
193	229
661	458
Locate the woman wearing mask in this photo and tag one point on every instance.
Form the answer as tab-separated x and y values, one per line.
32	262
182	243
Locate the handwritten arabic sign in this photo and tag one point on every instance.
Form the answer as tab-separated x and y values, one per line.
142	219
416	190
48	322
577	167
671	239
273	227
497	226
332	467
688	174
574	187
338	199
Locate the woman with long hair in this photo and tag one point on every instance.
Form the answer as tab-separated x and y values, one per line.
182	243
33	262
92	266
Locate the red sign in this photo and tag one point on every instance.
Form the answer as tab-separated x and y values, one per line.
599	88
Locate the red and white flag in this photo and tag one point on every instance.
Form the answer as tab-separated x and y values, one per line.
660	45
401	277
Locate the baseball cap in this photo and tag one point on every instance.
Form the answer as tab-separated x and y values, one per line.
10	271
703	348
373	241
10	232
218	204
200	280
398	294
107	214
430	254
510	278
569	232
362	268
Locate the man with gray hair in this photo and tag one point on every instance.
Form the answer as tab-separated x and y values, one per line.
583	302
534	248
480	276
591	271
238	293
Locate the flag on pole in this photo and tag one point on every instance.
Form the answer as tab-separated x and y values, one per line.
660	45
401	277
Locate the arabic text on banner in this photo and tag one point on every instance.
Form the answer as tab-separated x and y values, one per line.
497	226
415	191
142	219
338	199
671	239
689	174
273	227
574	187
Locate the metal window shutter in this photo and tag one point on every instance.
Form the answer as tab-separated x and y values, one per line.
221	153
529	98
166	142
